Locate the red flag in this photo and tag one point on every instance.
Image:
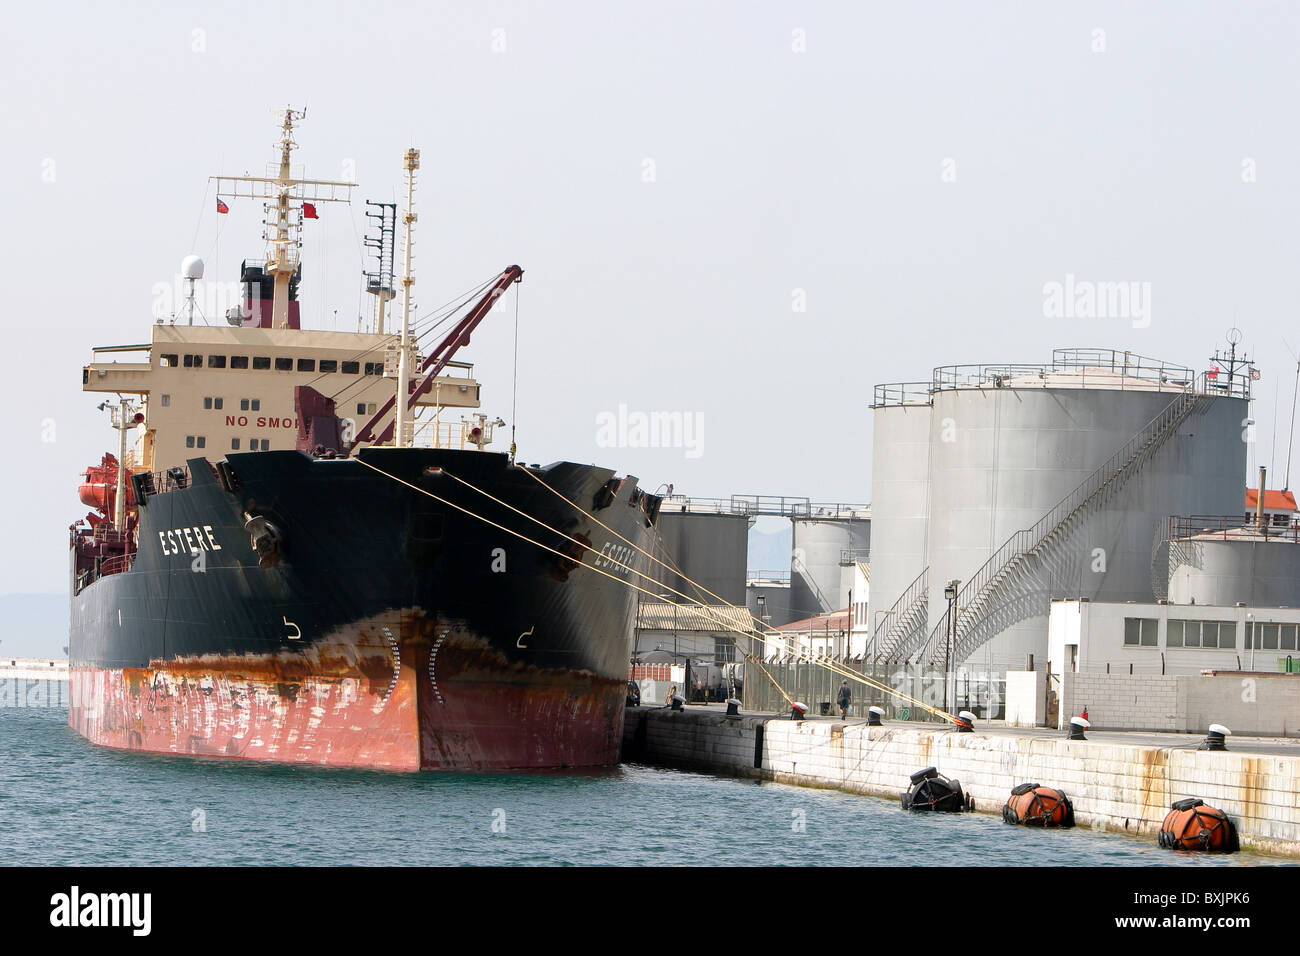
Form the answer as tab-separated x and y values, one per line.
309	211
221	206
1212	373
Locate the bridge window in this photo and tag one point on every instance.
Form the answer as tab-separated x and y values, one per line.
306	365
329	365
169	361
216	361
234	444
209	402
166	400
351	368
250	404
239	361
374	368
202	441
284	365
193	361
261	361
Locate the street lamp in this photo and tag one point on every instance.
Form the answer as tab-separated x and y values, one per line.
949	592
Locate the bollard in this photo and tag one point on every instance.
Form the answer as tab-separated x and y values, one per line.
874	714
965	722
799	711
733	707
1214	739
1077	726
678	702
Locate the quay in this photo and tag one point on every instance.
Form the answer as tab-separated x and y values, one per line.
1116	780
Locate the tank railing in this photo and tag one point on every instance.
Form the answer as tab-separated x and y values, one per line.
760	577
1230	527
976	591
851	556
895	623
1105	364
789	507
901	393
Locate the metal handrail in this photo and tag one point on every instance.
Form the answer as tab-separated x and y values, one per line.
971	596
902	393
1228	526
887	624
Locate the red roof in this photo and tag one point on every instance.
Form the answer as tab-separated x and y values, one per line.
1273	500
836	621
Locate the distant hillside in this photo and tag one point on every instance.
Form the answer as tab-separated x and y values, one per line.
770	550
34	625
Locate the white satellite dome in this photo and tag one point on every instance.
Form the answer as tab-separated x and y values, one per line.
192	267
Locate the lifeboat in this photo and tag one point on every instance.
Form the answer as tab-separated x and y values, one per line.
1033	805
99	489
1191	825
932	791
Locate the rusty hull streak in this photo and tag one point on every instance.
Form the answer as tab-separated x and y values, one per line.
330	704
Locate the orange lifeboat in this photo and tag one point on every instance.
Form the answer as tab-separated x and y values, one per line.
1033	805
1191	825
99	490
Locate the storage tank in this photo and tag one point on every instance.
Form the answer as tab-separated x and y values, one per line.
709	548
1007	443
900	453
1228	567
824	550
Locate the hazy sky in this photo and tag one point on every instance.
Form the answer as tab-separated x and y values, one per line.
677	180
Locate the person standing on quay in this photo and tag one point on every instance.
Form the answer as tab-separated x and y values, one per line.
843	699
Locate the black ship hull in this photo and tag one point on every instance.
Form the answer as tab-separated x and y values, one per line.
333	612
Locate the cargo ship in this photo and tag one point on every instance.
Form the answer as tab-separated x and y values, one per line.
294	556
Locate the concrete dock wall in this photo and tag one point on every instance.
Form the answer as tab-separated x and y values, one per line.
1112	786
1247	703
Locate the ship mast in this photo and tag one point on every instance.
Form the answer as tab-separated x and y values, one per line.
401	436
283	196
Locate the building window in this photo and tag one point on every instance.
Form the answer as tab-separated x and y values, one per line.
239	361
216	361
234	444
189	441
284	365
351	368
169	360
261	362
329	365
724	650
306	365
1214	634
1271	637
166	400
1140	631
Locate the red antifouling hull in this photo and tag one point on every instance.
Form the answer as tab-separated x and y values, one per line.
454	709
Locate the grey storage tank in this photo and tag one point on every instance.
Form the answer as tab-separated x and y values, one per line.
708	547
824	549
1008	443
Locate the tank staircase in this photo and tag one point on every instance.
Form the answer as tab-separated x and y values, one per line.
904	622
1000	580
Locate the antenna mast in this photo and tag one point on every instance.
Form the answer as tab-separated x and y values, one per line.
402	436
282	196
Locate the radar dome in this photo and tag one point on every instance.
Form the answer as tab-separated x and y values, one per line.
192	267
